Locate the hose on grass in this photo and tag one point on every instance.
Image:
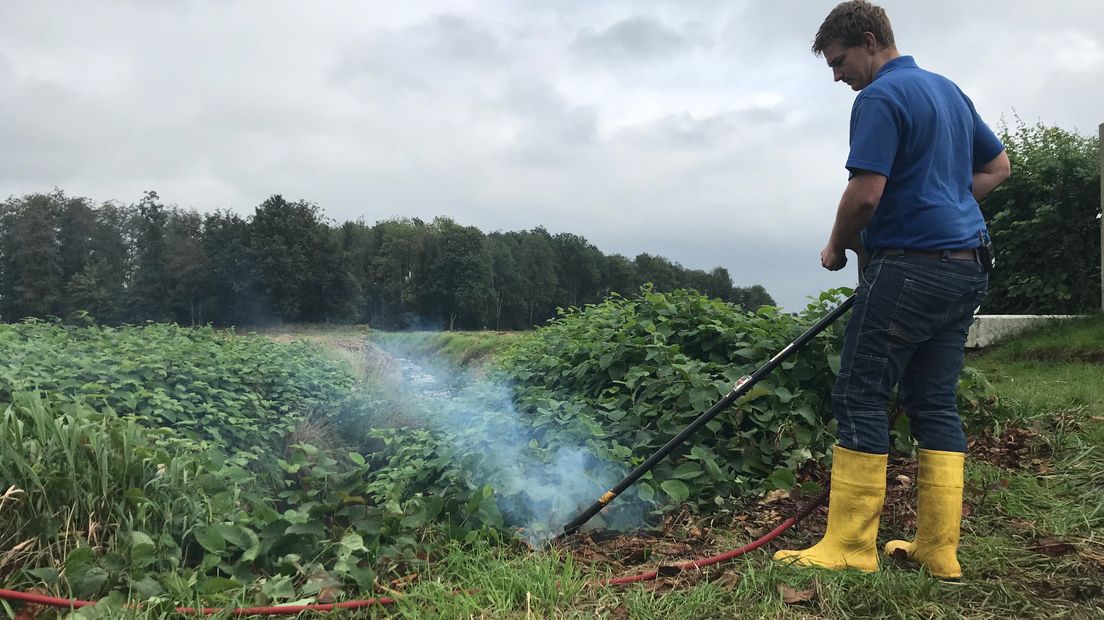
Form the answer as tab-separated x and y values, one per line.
288	610
279	610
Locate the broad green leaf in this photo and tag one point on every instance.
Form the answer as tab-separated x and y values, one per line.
210	539
46	574
146	586
214	585
783	479
676	490
353	542
142	548
687	471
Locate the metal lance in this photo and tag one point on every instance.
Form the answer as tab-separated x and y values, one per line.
743	385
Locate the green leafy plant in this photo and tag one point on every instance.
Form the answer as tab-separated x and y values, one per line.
631	373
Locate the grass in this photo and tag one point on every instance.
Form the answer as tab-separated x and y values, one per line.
1061	341
456	348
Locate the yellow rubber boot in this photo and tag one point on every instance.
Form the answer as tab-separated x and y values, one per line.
854	510
939	515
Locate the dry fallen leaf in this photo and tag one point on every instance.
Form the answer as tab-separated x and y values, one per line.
792	597
904	480
31	611
1099	559
1052	547
776	495
329	594
668	571
727	579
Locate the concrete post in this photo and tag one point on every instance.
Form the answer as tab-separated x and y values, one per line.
1102	216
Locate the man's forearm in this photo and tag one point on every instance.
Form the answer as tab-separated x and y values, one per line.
856	207
855	210
992	174
985	182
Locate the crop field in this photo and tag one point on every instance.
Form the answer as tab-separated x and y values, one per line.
154	467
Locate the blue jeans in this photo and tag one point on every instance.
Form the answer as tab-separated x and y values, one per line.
908	328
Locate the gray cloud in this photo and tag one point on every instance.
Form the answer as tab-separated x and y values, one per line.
686	131
416	57
638	39
706	132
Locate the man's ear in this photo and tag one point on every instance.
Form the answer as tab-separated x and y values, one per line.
870	42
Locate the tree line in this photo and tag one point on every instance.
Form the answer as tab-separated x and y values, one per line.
286	263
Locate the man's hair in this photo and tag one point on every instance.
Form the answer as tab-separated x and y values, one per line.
847	23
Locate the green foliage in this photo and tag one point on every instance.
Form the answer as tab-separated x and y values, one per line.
630	374
1044	224
244	393
134	457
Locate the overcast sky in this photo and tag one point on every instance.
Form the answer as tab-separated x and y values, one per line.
704	131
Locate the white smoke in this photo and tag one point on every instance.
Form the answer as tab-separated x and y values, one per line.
541	483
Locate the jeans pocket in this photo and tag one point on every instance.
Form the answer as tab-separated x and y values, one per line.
921	310
870	273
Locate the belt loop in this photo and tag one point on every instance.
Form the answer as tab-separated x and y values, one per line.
945	256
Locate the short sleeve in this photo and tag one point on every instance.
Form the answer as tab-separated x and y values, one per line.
986	144
875	134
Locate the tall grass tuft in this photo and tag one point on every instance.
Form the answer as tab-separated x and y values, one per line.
85	478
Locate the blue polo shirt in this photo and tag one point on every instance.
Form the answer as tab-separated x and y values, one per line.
922	133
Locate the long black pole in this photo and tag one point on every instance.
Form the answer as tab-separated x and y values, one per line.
742	386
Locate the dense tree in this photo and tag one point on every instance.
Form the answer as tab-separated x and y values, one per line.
506	281
716	283
282	237
186	260
151	280
235	294
752	297
535	256
100	287
1043	221
149	261
660	272
457	283
358	243
76	222
334	295
619	275
31	271
578	274
391	287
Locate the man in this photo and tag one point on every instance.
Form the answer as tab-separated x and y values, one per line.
920	160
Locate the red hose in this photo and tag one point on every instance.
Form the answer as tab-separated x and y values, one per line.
279	610
803	512
787	524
